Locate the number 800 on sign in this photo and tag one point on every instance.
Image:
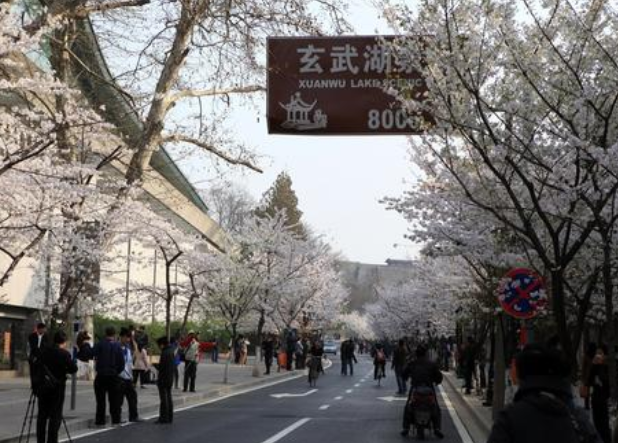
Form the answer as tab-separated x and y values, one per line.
393	119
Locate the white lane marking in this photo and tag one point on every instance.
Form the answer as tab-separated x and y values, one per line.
357	385
339	397
287	431
349	391
196	405
461	429
324	407
392	399
363	380
294	395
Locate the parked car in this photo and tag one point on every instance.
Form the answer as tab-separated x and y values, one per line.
331	347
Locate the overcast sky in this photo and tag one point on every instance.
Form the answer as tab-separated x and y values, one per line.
339	180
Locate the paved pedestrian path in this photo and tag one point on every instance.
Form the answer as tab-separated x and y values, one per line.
476	417
15	393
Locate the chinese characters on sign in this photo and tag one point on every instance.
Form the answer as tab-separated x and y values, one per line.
341	85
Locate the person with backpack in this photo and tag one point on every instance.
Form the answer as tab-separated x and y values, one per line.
49	378
379	362
543	409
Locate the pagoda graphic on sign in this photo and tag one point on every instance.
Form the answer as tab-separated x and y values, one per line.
299	115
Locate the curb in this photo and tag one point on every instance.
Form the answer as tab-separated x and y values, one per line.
81	424
478	420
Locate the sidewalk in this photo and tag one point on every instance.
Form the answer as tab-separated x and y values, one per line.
476	418
14	395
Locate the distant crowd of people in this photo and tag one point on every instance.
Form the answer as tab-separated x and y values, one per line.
543	402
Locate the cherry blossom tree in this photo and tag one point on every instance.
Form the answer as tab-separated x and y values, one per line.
525	128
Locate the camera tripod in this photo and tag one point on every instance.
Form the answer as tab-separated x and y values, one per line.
29	418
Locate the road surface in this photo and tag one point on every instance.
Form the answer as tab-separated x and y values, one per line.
339	410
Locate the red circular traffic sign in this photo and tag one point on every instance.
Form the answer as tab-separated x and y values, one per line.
522	293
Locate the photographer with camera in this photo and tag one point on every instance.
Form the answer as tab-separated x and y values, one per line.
48	383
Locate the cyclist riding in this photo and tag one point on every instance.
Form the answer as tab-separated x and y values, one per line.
422	373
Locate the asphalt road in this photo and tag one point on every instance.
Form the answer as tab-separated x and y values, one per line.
341	410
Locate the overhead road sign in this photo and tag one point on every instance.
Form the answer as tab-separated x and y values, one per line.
342	86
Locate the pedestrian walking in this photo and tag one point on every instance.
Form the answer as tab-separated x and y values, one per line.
141	366
268	349
298	354
469	362
141	337
53	364
317	350
191	352
128	391
244	350
214	356
598	383
165	380
177	360
290	346
109	364
379	362
543	409
400	358
347	357
237	350
584	388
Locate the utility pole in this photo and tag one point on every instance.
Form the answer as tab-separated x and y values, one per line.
126	299
154	287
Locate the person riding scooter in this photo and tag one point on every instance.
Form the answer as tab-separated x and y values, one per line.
422	372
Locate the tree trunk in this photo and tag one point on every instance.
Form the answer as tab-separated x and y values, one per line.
611	333
231	354
558	306
169	296
499	369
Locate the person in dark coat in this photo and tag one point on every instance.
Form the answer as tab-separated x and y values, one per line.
543	409
268	348
422	372
37	341
109	364
469	363
165	381
598	382
400	358
591	351
317	350
56	362
347	357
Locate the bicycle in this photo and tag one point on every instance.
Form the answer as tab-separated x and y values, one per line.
314	370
